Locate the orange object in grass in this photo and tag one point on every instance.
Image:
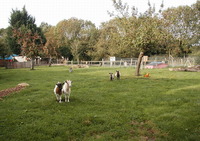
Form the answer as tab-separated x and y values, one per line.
146	75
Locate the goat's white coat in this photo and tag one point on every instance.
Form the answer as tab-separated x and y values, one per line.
67	89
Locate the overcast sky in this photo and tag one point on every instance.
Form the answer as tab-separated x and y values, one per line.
53	11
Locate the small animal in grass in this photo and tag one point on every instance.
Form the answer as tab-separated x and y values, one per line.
58	91
70	70
117	74
147	75
66	89
111	77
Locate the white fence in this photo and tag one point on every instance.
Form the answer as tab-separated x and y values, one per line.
172	62
128	62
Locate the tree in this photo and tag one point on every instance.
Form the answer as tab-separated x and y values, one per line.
66	32
51	46
23	36
92	39
108	41
141	33
75	35
88	37
17	19
45	27
183	24
11	41
4	50
31	43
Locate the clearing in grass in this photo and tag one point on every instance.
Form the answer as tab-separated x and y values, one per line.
164	106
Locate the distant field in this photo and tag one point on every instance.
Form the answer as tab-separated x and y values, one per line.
165	106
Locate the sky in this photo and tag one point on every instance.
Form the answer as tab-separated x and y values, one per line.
54	11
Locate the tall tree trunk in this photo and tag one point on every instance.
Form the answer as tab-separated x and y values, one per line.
50	61
32	63
77	59
137	73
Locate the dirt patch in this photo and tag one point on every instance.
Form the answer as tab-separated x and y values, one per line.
8	91
189	69
79	66
146	131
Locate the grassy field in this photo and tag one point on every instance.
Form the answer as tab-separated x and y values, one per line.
165	106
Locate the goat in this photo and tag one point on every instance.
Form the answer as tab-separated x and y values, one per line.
111	76
118	74
70	70
67	89
58	91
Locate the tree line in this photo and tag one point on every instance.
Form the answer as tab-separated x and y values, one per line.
174	31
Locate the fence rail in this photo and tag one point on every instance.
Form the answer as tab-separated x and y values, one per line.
172	62
16	65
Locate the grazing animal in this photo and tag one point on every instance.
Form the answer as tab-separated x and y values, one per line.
67	89
111	76
58	91
146	75
70	70
118	74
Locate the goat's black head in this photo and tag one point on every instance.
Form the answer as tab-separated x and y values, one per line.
111	74
59	84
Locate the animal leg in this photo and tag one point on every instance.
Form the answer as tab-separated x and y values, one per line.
57	97
68	98
65	97
60	99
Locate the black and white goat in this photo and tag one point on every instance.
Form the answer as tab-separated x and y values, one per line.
63	88
111	76
58	91
117	74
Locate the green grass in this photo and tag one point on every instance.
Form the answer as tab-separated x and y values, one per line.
165	106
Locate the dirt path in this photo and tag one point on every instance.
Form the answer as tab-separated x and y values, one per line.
8	91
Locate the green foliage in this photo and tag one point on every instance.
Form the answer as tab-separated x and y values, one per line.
175	31
11	41
45	27
78	35
65	52
164	106
183	23
51	46
17	19
135	33
172	31
23	22
4	50
23	36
